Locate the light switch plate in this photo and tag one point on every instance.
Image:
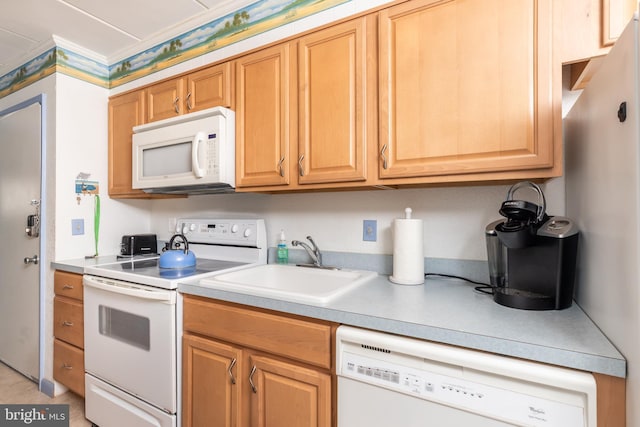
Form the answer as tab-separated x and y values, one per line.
77	227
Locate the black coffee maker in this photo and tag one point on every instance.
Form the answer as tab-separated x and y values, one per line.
532	256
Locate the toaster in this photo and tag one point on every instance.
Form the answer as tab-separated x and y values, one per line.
139	244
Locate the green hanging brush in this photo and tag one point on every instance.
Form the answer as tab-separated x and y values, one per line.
96	221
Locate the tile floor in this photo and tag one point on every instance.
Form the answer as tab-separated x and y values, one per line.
16	388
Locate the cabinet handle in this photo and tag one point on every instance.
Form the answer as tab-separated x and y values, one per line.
65	366
67	287
253	386
280	168
384	156
67	323
175	105
300	167
189	106
233	363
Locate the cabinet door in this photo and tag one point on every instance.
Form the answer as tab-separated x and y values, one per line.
588	28
466	87
165	100
210	385
264	96
125	112
285	394
616	14
332	111
210	87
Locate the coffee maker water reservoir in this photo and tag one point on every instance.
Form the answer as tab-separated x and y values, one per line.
532	256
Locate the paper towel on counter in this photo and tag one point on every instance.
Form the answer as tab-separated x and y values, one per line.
408	251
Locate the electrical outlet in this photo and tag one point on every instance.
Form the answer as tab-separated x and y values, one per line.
369	230
77	227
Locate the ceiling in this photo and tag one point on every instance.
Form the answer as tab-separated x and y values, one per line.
112	29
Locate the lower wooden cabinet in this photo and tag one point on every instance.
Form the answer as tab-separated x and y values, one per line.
229	380
210	391
285	394
68	366
68	329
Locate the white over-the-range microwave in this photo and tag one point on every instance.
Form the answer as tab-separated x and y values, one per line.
190	154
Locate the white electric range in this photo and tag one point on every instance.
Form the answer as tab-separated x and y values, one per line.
131	322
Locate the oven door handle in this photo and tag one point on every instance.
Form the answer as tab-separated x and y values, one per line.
125	289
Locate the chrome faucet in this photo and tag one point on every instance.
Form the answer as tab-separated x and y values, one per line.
314	252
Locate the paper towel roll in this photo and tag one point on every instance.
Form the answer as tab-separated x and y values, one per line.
408	252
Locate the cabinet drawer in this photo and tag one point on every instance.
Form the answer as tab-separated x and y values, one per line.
68	284
68	366
68	321
291	337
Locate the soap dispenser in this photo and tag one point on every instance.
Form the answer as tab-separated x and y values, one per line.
283	251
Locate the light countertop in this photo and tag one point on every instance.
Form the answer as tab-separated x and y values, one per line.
446	311
450	311
78	265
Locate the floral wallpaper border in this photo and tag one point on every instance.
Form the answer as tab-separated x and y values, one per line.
254	19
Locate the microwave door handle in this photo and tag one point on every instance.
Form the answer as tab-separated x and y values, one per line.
195	148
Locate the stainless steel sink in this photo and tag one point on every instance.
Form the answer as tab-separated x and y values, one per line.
291	283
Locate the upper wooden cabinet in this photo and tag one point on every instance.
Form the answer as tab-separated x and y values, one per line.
210	87
265	125
125	112
588	28
467	87
206	88
306	110
333	114
165	100
422	92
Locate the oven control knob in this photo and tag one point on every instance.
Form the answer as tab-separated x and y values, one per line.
247	232
192	227
234	228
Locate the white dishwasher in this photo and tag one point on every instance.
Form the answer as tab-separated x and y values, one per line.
385	380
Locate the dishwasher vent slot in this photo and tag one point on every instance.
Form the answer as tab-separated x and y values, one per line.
378	349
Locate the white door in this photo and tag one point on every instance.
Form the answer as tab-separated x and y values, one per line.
20	172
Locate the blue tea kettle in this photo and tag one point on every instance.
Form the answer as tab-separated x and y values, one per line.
177	258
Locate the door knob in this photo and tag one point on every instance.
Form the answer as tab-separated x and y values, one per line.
31	260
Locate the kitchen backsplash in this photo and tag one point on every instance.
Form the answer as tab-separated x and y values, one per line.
454	217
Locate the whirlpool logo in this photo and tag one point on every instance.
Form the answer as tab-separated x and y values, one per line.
537	413
34	415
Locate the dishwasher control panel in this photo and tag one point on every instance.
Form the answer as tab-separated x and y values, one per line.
505	404
501	390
